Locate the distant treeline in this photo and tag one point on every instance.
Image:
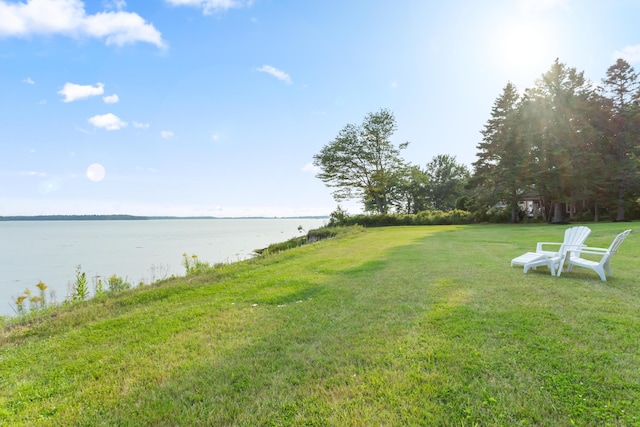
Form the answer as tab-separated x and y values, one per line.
72	218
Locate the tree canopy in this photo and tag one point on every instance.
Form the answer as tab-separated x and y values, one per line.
569	145
362	162
565	142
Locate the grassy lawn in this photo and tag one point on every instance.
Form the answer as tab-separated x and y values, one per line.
399	326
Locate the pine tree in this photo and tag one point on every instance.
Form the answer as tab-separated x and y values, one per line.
622	87
500	172
558	108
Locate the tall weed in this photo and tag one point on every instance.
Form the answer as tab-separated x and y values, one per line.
193	265
118	284
80	287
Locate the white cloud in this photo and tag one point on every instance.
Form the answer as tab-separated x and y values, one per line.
69	18
310	167
111	99
628	53
210	6
120	28
81	130
166	134
32	173
115	4
28	81
107	121
139	125
278	74
73	92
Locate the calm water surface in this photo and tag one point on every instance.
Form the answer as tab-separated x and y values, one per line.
146	250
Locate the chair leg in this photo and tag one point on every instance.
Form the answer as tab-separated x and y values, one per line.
528	267
558	264
557	267
600	272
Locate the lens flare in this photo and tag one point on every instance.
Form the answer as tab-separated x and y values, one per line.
96	172
49	186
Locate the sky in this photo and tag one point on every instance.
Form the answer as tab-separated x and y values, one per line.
217	107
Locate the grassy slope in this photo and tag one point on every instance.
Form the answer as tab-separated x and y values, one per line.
393	326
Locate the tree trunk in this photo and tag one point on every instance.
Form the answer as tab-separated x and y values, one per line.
620	214
572	206
558	213
381	203
514	205
596	212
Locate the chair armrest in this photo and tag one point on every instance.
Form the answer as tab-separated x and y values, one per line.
590	251
597	250
540	244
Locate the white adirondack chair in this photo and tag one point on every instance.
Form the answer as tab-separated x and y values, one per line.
600	266
574	238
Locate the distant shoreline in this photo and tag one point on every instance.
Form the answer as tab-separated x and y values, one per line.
135	217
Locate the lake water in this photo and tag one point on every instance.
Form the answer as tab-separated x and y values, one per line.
139	250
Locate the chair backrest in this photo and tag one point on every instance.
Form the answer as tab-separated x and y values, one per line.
574	238
618	241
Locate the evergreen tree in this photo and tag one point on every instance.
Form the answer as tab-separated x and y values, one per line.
500	172
558	107
622	87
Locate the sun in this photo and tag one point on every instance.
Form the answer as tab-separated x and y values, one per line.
96	172
523	47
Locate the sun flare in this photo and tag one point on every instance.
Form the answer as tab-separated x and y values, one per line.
96	172
523	47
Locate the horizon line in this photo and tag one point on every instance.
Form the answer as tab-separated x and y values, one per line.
90	217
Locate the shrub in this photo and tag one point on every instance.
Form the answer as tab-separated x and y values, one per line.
338	217
321	234
499	215
282	246
117	284
193	265
421	218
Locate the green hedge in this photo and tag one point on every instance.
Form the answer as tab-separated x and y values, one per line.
422	218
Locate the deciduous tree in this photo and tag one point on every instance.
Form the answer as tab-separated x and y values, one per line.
411	193
447	180
362	162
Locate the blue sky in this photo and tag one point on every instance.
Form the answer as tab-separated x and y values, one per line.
216	107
